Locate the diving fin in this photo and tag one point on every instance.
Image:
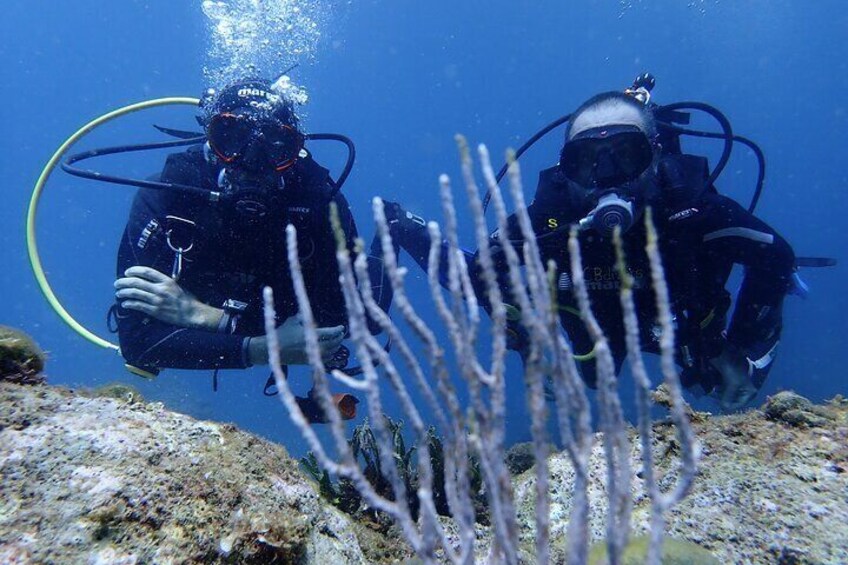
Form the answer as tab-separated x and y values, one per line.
815	262
344	403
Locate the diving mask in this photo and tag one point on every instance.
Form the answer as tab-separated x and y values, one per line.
245	139
605	157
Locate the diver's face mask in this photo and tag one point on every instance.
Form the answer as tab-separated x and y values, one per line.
608	161
255	149
254	143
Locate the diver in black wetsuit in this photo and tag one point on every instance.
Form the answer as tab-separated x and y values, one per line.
191	270
611	168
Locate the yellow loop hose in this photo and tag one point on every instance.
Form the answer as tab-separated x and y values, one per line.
32	248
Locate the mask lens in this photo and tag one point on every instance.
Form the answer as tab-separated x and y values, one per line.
578	161
606	161
228	134
282	144
632	153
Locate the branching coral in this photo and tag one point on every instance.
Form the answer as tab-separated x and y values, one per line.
479	429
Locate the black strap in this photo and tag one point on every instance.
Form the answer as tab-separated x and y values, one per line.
112	319
270	388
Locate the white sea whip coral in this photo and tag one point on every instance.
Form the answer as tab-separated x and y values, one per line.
481	429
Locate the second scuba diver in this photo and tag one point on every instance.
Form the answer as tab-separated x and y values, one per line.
616	161
192	264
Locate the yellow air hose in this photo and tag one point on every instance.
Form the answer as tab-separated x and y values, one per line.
32	249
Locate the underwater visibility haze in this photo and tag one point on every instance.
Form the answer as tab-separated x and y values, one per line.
400	78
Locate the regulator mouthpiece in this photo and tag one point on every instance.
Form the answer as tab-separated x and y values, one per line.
611	212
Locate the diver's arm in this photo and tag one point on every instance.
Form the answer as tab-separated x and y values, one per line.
754	331
291	339
152	344
517	336
498	241
155	345
769	263
409	232
155	294
158	346
321	273
205	340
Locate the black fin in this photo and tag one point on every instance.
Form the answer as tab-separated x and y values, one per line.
815	262
179	133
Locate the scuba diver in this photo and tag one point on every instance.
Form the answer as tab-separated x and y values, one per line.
192	263
619	158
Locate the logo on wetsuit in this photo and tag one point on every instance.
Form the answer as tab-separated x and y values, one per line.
683	214
607	278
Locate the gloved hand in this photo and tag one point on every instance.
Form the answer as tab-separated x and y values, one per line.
292	340
517	338
401	221
736	389
157	295
339	359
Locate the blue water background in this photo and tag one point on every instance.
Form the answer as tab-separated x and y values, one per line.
401	77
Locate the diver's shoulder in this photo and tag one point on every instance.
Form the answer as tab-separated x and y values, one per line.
187	167
552	178
312	180
556	195
189	164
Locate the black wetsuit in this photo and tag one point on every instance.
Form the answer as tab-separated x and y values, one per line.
701	237
232	258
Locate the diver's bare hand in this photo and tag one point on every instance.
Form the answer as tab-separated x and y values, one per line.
157	295
292	341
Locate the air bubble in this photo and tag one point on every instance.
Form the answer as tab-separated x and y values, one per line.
265	36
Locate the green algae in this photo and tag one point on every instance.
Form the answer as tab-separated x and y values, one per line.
364	447
21	360
674	552
118	391
795	410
